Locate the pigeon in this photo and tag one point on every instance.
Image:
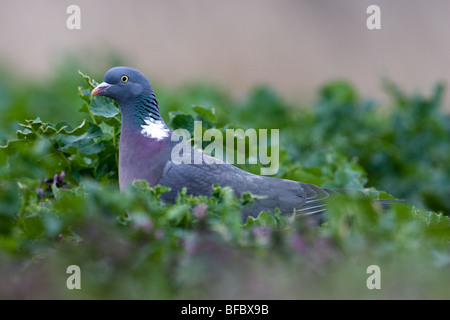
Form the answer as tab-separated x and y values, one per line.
147	143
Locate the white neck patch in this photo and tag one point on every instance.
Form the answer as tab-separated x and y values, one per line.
155	129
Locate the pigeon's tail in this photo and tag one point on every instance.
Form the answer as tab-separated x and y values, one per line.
315	206
387	203
315	201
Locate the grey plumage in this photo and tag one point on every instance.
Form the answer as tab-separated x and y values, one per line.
284	194
145	153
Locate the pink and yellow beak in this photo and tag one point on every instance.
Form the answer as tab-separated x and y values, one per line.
100	88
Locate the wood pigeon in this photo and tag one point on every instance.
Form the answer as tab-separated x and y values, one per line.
145	152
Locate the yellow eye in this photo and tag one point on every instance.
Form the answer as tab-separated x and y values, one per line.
124	79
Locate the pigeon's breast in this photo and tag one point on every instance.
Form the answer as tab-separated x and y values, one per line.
141	158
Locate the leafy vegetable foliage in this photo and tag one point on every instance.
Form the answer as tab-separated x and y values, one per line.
60	205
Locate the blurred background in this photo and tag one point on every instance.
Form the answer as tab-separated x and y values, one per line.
292	45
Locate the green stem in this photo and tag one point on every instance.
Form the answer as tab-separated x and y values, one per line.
92	117
35	132
115	145
114	137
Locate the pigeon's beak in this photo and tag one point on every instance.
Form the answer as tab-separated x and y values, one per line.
100	88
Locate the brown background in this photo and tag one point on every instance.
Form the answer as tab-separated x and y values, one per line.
294	46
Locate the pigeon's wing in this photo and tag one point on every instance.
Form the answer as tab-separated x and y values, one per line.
286	195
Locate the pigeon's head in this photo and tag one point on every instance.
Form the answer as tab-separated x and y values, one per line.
123	84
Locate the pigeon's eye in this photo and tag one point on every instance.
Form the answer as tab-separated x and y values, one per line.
124	79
